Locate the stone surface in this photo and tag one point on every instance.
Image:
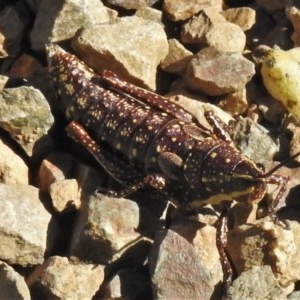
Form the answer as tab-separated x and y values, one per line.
256	283
127	47
248	137
271	4
65	195
210	29
216	73
109	227
176	271
293	14
26	115
177	58
12	168
60	278
58	21
25	231
203	238
182	10
55	167
12	284
264	243
241	16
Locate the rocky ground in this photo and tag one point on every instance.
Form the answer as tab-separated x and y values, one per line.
60	240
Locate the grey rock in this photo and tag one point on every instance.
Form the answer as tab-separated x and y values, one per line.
216	73
59	20
26	115
131	47
24	230
256	283
175	269
12	284
108	228
248	137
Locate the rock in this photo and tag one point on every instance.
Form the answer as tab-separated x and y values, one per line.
210	29
294	296
266	243
293	14
127	47
132	4
12	284
27	117
177	58
14	20
107	228
54	168
151	14
128	284
65	195
248	137
195	29
203	238
256	283
180	10
24	231
176	271
60	278
3	52
24	66
235	103
216	73
12	168
60	20
241	16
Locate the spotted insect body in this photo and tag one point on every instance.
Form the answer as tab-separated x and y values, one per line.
142	138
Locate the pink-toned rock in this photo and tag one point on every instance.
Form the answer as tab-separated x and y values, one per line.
176	271
293	15
216	73
183	10
60	278
177	58
54	168
57	21
24	66
210	29
241	16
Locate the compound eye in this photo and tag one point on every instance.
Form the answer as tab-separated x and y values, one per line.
270	63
